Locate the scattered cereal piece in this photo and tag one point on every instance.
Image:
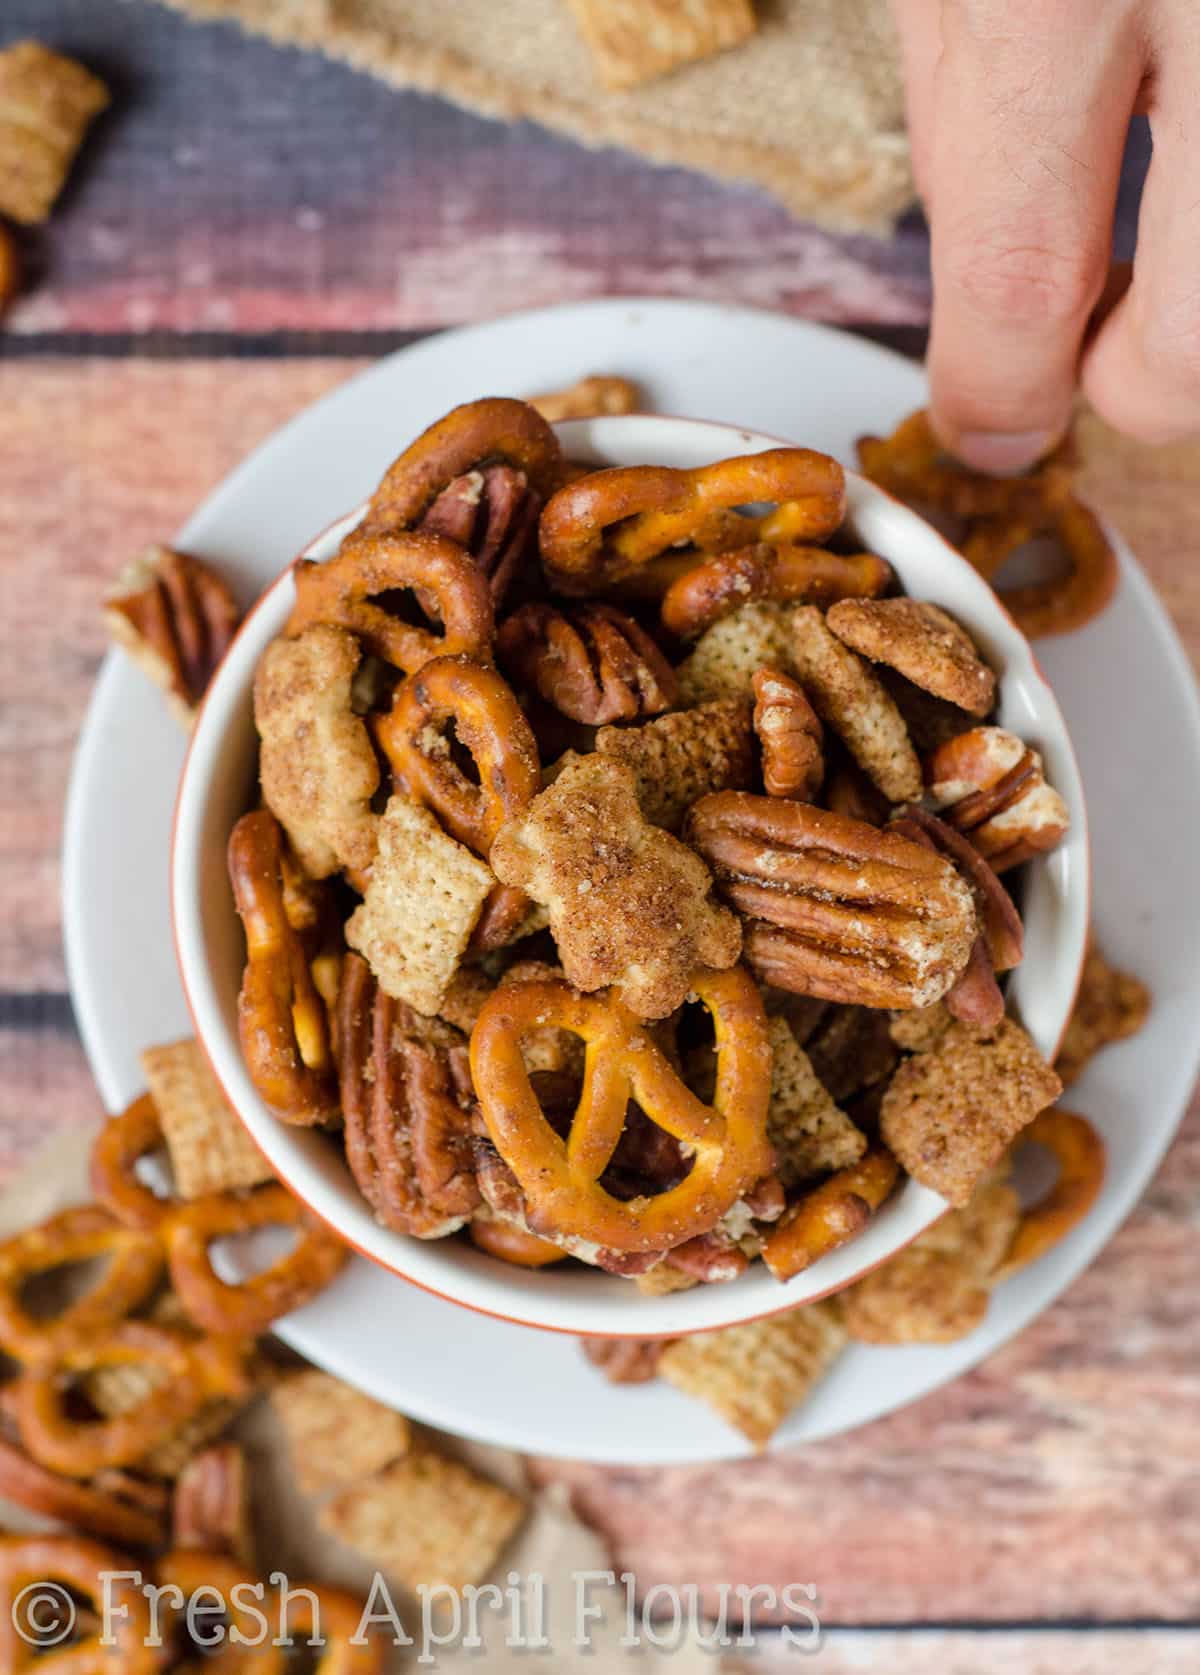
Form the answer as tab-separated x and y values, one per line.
1110	1005
426	1519
209	1147
682	756
950	1114
175	618
754	1375
921	641
116	1389
336	1434
46	104
425	893
634	41
662	1280
318	769
726	656
936	1290
600	396
811	1135
629	904
851	699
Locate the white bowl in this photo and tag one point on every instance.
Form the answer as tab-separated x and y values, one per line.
218	785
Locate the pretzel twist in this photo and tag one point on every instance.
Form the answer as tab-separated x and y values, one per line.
489	723
1079	1153
612	522
831	1215
281	1017
494	430
194	1371
346	590
247	1308
561	1178
135	1265
92	1571
785	573
123	1141
189	1570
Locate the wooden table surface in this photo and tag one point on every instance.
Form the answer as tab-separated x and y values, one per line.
249	227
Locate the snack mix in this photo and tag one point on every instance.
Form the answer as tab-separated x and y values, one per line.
633	883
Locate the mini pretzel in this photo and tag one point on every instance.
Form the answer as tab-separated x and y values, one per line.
247	1308
195	1370
782	573
345	590
488	722
1061	603
497	429
281	1016
135	1263
80	1506
561	1179
513	1244
337	1616
836	1212
190	1571
97	1573
598	529
1080	1154
119	1146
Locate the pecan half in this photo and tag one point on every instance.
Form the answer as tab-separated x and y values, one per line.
625	1360
592	662
988	784
176	618
210	1508
793	762
493	512
408	1140
836	908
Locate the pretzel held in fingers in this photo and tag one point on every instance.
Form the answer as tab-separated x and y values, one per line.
561	1179
281	1016
248	1308
780	573
194	1371
1079	1152
123	1141
496	430
831	1215
134	1267
347	590
612	522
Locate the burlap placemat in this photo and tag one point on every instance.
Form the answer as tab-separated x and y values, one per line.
811	108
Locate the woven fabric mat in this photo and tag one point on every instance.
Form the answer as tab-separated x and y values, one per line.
811	108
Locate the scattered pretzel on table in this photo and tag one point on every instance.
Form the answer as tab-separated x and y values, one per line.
1079	1153
247	1307
95	1573
561	1179
118	1148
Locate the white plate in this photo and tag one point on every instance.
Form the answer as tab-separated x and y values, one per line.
1122	681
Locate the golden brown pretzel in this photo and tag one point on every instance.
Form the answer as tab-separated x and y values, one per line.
831	1215
135	1265
337	1616
510	1243
189	1570
281	1016
496	429
1063	602
488	722
346	590
194	1371
1080	1154
86	1507
561	1179
28	1564
247	1308
611	522
135	1133
725	582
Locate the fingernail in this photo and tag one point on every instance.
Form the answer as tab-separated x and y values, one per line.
1002	452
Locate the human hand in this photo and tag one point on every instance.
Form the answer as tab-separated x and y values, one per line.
1018	112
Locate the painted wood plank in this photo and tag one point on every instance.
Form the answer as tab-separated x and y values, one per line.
1150	1651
